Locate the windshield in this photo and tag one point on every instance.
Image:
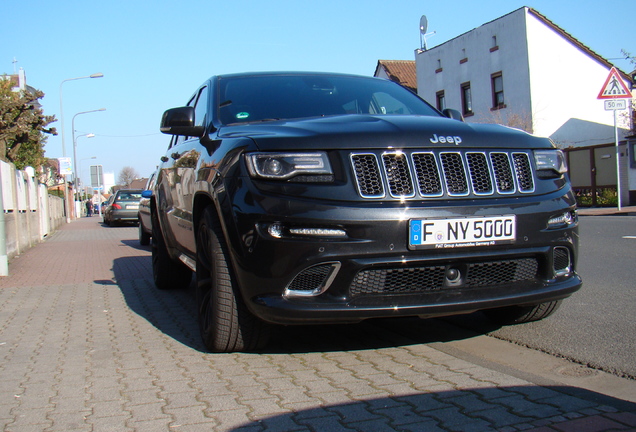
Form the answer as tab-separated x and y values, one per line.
277	97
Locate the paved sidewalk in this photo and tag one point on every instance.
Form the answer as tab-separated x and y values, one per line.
88	344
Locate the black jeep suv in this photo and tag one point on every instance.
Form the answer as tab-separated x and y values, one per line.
304	198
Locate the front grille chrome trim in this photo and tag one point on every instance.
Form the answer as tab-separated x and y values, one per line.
427	174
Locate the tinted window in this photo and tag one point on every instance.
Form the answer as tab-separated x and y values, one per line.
270	97
129	196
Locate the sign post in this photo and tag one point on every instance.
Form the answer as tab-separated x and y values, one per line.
66	169
614	94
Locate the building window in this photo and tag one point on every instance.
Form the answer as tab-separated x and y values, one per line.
439	66
494	46
441	100
467	100
497	91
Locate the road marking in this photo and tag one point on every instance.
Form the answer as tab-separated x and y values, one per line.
629	237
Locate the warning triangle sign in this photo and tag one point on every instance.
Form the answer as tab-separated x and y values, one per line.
614	87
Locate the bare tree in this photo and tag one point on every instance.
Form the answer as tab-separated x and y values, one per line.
127	175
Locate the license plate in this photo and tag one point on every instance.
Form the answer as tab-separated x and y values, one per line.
132	207
462	232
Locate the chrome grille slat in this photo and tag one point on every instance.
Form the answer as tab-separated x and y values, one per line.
439	173
503	172
523	172
454	174
427	174
479	173
368	177
398	175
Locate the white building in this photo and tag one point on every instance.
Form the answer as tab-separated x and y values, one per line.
524	71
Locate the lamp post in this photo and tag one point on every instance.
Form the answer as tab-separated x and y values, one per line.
95	75
75	142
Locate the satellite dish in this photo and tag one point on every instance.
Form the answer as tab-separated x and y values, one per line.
423	24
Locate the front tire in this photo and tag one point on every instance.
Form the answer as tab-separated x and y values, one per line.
522	314
166	272
225	322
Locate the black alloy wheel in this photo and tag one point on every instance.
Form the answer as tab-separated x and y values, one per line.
225	322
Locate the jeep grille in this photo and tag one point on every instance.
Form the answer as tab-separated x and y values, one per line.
429	174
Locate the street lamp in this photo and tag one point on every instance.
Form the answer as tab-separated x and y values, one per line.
95	75
75	143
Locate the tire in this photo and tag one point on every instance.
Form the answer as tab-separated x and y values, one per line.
167	273
522	314
225	322
144	237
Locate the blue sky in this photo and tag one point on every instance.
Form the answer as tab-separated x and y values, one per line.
153	54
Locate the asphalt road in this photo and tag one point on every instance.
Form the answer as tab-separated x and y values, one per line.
595	327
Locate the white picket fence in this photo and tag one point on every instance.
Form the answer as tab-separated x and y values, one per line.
30	213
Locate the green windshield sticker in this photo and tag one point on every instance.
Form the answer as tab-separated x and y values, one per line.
242	115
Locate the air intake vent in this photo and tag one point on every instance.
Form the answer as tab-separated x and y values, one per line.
562	261
424	279
314	280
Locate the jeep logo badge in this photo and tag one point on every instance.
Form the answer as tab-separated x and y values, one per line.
446	139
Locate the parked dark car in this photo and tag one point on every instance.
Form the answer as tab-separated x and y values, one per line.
124	207
307	198
145	223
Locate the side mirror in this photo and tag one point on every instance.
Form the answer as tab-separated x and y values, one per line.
453	114
180	121
146	194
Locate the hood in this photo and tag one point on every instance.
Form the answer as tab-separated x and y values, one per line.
385	131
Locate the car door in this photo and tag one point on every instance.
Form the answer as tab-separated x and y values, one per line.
178	180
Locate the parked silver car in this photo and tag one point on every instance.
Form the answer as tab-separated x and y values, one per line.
145	222
123	208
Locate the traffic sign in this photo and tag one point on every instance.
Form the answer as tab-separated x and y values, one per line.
614	87
615	104
66	168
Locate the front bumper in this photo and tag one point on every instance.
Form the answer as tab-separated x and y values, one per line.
372	272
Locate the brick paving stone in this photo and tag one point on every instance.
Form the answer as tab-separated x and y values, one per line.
589	424
399	415
451	418
328	423
625	418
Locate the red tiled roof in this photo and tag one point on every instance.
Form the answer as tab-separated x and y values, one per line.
400	71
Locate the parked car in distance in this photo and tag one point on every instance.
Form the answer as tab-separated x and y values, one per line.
145	223
124	207
313	198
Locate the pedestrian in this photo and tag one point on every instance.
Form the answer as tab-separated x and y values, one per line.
89	208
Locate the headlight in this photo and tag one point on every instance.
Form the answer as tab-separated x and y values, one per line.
550	160
282	166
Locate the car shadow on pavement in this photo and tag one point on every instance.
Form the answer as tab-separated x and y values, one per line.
482	408
173	312
135	245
